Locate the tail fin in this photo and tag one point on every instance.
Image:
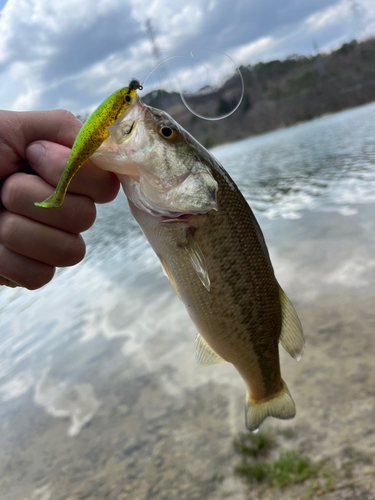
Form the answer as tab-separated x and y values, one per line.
282	406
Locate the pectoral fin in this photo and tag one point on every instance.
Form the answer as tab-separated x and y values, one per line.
197	260
291	336
204	355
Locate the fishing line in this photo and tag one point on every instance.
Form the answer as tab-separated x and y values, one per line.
239	102
188	107
134	83
159	64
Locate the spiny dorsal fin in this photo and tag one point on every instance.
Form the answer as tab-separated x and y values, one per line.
291	336
204	355
197	260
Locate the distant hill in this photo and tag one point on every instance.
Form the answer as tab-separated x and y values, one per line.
281	93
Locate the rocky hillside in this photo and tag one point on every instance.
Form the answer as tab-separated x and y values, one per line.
280	93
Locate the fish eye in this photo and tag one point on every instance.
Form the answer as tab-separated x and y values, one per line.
168	133
128	98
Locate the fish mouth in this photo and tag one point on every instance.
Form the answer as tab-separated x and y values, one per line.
125	137
127	151
126	127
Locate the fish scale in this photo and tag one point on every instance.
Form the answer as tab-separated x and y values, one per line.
250	294
212	250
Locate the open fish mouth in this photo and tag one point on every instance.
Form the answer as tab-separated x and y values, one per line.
126	136
160	174
126	127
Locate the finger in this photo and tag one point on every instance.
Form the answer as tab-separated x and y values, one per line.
39	242
18	130
22	271
20	191
49	160
6	282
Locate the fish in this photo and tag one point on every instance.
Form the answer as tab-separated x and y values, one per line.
90	137
212	250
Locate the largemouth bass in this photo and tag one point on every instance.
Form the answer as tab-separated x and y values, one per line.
212	249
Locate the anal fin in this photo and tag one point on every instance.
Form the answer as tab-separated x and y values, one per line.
291	336
204	354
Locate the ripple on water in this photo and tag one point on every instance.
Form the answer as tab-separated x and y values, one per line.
321	165
324	165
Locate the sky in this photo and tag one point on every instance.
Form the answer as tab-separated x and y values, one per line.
73	54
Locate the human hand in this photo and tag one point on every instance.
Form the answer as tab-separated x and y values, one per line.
34	241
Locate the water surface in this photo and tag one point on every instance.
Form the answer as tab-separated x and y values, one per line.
97	368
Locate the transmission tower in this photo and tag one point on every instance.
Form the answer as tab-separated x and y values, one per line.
356	18
155	49
318	61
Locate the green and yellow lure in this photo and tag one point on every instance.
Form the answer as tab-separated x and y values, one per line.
90	137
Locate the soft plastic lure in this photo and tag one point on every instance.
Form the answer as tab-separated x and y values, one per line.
90	137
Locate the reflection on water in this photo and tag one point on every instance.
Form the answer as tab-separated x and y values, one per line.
108	343
326	164
76	402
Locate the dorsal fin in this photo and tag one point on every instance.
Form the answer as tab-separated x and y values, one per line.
291	336
204	354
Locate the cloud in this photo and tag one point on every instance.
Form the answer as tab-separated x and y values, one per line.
366	19
328	17
245	53
74	53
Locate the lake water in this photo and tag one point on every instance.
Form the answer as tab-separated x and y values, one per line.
97	368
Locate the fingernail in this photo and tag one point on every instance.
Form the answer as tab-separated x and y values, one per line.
35	153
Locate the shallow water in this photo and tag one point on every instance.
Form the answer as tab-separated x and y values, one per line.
326	165
104	354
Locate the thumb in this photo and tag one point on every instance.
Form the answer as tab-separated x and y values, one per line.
18	130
